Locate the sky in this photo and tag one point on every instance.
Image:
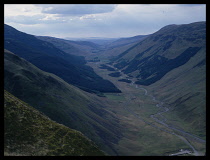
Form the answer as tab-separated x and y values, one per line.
99	20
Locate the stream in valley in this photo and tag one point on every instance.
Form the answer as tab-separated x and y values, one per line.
181	134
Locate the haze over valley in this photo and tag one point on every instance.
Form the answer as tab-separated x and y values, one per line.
140	95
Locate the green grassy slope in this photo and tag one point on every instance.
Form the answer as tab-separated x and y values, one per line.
163	51
27	132
171	63
60	101
170	41
184	90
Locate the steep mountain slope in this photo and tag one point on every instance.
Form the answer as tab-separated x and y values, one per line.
171	64
28	132
184	91
79	48
163	51
60	101
47	57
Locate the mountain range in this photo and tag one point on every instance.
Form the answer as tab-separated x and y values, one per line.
53	76
97	40
78	48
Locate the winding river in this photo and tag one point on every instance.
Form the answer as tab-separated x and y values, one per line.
181	134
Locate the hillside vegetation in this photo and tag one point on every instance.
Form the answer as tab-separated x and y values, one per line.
171	63
60	101
170	47
27	132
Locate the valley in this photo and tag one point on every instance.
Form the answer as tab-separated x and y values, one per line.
136	96
146	110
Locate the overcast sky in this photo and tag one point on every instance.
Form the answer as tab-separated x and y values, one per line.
99	20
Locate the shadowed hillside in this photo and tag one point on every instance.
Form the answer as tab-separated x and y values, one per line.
47	57
60	101
79	48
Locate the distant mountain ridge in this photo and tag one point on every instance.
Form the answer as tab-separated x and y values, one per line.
126	41
79	48
96	40
47	57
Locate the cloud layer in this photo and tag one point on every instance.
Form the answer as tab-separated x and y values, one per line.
77	9
100	20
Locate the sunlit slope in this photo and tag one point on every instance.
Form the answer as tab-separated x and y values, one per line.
170	47
60	101
27	132
171	63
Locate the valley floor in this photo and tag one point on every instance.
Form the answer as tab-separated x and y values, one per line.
146	132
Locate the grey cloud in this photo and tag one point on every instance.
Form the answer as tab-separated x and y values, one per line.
80	21
77	9
190	5
35	19
21	19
